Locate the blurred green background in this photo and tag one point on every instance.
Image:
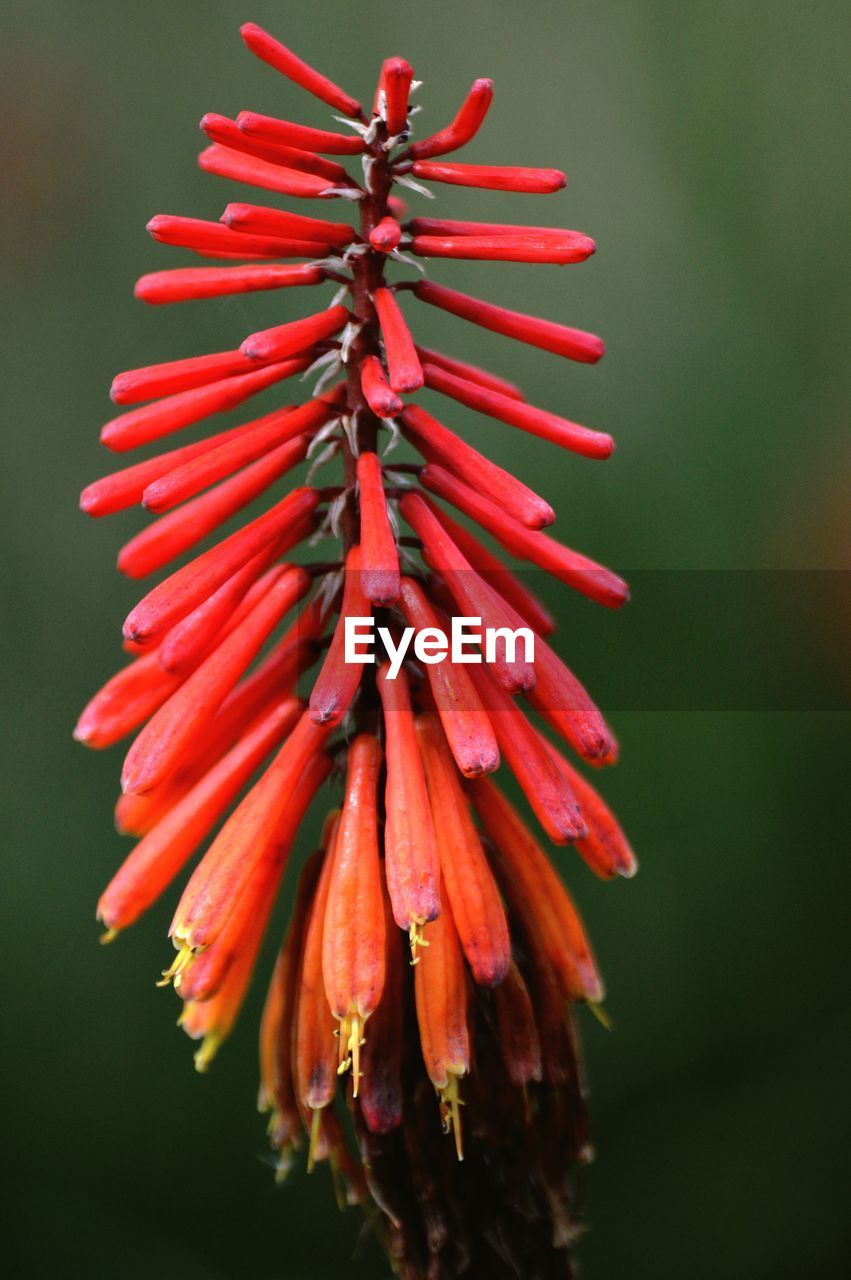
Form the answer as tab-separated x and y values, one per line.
702	143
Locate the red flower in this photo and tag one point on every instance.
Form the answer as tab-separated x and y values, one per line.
423	844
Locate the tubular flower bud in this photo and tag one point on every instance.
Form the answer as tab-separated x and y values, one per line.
473	896
491	177
277	1027
338	680
225	163
288	339
463	128
164	541
518	1035
256	220
226	135
531	886
386	236
314	1050
380	1090
247	836
544	786
378	393
177	375
395	84
270	50
442	999
405	373
470	372
408	707
538	422
465	721
438	444
184	590
379	559
513	591
571	568
152	421
192	707
353	939
558	338
297	135
411	864
166	848
570	247
184	284
231	450
213	238
471	594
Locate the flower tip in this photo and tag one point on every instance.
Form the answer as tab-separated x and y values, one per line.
88	501
381	586
210	1046
251	348
476	765
628	866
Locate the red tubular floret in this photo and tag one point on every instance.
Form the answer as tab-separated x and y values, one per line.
277	55
575	344
226	133
405	371
438	444
396	77
259	220
379	559
492	177
225	163
301	136
463	128
538	422
187	284
577	571
172	413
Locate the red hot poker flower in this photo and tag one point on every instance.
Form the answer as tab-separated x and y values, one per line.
225	754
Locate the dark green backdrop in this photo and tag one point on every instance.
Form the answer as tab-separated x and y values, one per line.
702	143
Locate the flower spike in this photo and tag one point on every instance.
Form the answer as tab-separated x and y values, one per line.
432	945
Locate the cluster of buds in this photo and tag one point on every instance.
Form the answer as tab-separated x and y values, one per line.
434	957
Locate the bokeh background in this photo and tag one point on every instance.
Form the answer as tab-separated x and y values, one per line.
703	146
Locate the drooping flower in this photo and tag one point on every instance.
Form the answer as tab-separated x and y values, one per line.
430	968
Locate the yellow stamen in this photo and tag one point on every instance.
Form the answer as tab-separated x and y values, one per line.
351	1039
416	934
315	1131
210	1046
450	1113
109	935
284	1165
600	1014
181	960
